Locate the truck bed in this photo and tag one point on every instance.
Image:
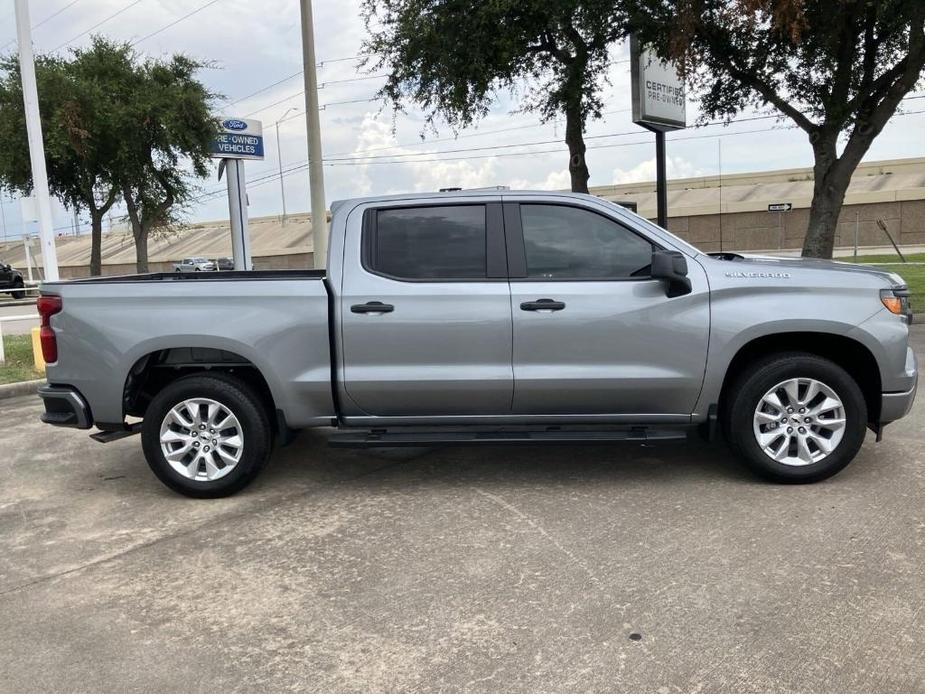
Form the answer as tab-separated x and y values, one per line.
275	320
220	276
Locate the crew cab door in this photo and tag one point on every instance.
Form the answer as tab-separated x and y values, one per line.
6	275
425	311
593	333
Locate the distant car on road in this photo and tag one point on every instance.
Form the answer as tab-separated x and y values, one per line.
224	264
196	264
11	278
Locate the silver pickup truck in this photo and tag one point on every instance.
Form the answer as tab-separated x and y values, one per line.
484	318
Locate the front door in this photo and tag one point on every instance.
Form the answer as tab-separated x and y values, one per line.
426	315
593	333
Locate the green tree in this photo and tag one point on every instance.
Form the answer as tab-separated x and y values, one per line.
117	128
839	69
452	57
76	124
166	130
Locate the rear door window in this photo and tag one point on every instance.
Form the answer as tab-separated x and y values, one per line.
428	243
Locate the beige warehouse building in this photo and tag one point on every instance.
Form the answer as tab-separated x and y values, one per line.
728	213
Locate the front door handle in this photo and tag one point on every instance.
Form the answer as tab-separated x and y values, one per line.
372	307
542	305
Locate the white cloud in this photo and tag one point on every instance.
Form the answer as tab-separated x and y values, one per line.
678	167
423	170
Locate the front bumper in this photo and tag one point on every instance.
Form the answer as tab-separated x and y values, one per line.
65	407
894	406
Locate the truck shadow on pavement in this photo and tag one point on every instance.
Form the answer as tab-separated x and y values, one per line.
309	461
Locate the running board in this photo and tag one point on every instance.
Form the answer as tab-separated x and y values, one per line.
388	439
116	434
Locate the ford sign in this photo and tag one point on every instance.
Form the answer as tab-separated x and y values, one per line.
234	124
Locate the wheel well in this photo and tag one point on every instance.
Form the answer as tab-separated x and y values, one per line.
849	354
154	371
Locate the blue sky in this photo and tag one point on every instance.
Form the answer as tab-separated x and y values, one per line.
253	45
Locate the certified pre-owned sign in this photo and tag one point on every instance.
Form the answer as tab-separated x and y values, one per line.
659	99
239	138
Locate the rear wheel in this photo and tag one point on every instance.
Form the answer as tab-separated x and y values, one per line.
206	436
796	418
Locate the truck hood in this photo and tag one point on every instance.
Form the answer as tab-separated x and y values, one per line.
767	263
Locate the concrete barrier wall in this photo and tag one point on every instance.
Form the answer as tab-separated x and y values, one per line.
749	231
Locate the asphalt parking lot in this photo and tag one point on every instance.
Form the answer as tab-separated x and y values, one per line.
562	569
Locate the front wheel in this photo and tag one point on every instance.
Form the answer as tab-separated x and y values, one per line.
21	294
796	418
206	436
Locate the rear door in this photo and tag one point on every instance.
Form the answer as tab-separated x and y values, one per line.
425	311
593	333
6	275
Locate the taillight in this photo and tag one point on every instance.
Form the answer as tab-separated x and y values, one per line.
48	305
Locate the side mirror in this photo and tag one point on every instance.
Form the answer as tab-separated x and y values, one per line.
671	266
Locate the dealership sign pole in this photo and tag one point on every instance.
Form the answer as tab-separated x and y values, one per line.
239	139
36	145
659	105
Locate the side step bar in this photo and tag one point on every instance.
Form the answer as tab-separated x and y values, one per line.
116	434
388	439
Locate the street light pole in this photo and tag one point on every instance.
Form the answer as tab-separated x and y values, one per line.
34	132
313	121
279	159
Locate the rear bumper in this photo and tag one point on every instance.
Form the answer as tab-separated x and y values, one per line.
65	407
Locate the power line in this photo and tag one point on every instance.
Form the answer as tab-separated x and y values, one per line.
293	76
44	21
320	108
351	79
55	14
263	89
175	22
428	157
97	25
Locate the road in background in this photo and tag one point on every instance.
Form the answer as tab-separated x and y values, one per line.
18	327
542	569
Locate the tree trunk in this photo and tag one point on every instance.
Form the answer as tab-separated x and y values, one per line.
831	176
96	243
139	232
141	251
577	166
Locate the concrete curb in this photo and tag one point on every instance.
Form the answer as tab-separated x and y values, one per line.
14	390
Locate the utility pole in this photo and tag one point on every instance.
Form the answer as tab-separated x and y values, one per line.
313	121
279	159
36	146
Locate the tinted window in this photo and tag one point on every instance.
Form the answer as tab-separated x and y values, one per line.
430	242
568	242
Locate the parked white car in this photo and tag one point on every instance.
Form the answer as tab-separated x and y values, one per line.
197	264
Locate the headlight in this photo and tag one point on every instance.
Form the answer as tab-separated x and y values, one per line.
896	300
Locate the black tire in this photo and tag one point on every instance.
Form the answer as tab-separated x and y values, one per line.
238	398
744	396
20	294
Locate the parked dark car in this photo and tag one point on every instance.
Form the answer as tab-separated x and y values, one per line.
11	278
224	264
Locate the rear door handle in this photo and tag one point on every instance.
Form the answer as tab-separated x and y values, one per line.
542	305
372	307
